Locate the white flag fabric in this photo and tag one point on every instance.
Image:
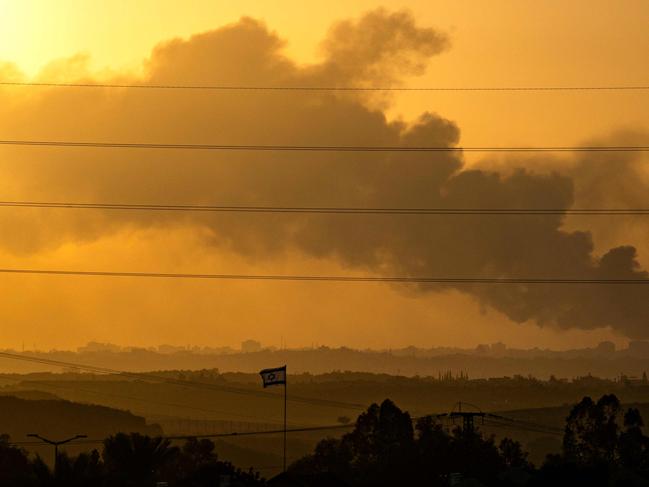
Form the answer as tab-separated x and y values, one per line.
273	377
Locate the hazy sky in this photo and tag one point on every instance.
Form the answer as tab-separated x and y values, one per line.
438	43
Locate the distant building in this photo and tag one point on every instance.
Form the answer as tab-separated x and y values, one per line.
250	346
495	349
171	349
94	347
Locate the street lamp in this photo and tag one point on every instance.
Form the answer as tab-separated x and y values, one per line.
56	445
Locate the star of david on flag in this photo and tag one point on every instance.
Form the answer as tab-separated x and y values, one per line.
273	377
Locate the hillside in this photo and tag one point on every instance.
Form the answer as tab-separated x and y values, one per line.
211	395
482	362
60	419
57	418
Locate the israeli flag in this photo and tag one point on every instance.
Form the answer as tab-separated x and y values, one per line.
273	377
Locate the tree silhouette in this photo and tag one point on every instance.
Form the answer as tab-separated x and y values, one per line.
385	450
15	467
633	444
512	454
591	433
434	452
136	459
382	443
475	456
84	470
596	451
378	450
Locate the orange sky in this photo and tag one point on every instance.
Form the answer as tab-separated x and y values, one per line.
492	43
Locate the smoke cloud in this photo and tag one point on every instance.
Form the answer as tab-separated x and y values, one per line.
381	48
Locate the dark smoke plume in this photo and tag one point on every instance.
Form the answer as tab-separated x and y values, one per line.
380	48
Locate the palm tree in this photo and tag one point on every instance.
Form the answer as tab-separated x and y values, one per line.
135	459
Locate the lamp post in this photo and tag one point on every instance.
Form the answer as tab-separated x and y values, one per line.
56	445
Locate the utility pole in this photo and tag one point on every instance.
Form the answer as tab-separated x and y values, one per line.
468	417
56	446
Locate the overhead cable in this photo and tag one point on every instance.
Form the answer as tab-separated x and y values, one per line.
182	382
332	88
338	278
317	148
324	210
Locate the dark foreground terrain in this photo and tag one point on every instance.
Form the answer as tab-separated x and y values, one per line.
600	443
207	402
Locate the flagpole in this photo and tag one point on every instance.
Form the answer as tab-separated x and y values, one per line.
285	382
273	377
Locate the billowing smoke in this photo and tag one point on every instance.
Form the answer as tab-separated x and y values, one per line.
381	48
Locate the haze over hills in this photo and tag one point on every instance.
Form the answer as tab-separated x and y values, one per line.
495	360
57	418
57	404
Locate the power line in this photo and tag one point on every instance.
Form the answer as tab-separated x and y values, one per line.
469	417
327	210
489	420
318	148
378	279
215	435
522	424
511	425
50	384
293	430
505	422
182	382
296	430
267	432
523	427
205	87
